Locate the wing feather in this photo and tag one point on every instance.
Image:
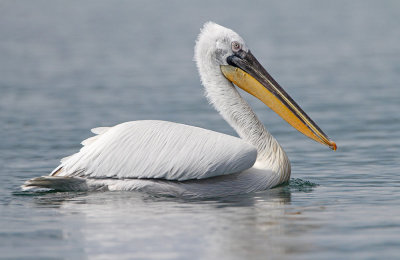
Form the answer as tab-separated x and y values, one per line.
159	149
89	140
100	130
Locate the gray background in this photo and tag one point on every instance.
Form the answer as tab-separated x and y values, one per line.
68	66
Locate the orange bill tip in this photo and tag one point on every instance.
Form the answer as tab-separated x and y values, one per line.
332	145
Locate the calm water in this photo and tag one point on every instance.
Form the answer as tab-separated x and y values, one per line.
68	66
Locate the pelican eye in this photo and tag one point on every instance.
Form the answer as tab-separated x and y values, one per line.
236	46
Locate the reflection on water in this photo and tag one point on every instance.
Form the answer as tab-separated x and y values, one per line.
66	68
230	227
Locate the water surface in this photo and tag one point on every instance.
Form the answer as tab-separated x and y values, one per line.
70	66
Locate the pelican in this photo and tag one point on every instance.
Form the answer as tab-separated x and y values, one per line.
172	159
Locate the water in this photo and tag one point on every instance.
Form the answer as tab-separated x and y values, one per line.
70	66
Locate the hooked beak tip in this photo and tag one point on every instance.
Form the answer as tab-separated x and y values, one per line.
332	145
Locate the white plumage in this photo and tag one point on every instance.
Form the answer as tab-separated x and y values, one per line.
158	150
174	159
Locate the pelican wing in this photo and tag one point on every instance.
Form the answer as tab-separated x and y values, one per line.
158	149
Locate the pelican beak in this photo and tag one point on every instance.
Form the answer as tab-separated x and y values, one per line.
247	73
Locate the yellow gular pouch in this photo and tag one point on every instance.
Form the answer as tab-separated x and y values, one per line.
252	86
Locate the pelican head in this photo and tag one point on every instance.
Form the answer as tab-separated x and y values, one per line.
223	59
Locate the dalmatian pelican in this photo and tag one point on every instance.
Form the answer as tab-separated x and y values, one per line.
173	159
